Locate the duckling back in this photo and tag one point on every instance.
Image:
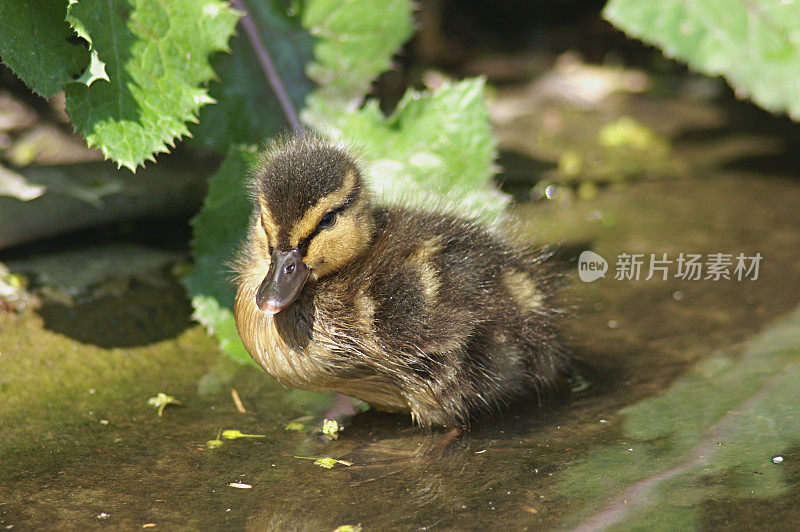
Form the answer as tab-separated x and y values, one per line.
452	319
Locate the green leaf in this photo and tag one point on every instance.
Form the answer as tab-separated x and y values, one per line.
247	110
726	420
355	40
754	44
35	44
342	46
435	144
156	58
219	230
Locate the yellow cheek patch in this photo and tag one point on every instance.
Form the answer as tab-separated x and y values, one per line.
340	245
311	218
523	290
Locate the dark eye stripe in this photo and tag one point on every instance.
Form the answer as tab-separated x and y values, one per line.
348	202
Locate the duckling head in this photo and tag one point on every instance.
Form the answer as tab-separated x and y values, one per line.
312	217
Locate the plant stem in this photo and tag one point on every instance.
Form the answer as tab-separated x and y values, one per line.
270	72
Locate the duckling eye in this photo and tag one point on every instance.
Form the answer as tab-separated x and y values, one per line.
328	220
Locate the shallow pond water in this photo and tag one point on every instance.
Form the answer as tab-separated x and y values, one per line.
693	399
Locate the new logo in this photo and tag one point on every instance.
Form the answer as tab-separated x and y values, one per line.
591	266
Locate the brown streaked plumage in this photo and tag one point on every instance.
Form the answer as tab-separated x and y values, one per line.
411	311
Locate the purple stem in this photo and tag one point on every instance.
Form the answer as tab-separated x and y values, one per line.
269	69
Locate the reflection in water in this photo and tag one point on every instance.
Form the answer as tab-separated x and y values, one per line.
718	429
495	471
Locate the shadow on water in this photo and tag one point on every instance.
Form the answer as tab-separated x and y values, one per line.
769	144
141	316
519	172
115	291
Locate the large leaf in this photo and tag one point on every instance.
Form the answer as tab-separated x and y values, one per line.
435	144
755	44
355	40
247	110
35	43
342	45
156	57
726	420
219	230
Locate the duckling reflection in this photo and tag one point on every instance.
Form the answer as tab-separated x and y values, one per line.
418	312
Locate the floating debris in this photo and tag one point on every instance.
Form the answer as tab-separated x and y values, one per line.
294	426
237	401
578	383
231	434
240	485
161	400
327	462
331	428
13	289
348	528
215	444
777	459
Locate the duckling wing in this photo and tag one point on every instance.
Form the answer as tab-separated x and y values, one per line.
451	316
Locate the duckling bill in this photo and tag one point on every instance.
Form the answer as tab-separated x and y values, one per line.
410	311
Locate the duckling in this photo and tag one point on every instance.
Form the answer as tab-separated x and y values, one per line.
410	311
